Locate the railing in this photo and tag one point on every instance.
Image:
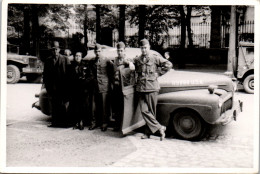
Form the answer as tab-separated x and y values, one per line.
200	35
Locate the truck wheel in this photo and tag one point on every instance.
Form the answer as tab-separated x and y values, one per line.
188	125
249	84
13	74
34	78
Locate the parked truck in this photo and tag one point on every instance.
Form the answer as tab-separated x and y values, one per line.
245	66
22	65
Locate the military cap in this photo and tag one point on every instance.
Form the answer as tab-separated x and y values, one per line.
144	42
98	47
120	45
56	44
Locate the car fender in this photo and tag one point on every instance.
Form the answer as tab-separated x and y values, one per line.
200	101
44	102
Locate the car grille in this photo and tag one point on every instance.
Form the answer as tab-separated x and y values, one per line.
227	105
32	63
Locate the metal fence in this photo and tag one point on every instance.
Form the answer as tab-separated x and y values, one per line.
245	32
200	35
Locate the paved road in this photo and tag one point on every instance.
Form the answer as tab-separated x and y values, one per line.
31	143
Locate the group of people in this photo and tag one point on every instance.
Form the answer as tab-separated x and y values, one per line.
82	91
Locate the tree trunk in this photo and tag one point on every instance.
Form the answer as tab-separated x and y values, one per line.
141	21
35	30
232	40
183	36
215	33
98	27
122	23
188	17
183	27
26	32
85	26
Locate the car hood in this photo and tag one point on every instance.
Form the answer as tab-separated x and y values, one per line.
17	56
184	80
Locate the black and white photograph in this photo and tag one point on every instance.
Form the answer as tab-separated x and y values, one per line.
130	86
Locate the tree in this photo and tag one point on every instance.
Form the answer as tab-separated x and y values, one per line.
26	35
155	19
183	26
215	37
122	23
142	17
98	25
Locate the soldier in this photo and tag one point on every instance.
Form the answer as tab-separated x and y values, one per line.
147	86
119	65
78	92
98	72
56	80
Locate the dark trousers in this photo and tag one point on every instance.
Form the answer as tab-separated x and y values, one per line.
58	109
78	107
117	105
147	102
100	108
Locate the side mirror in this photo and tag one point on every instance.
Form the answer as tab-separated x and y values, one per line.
167	55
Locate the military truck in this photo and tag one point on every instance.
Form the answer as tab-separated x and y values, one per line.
22	65
245	66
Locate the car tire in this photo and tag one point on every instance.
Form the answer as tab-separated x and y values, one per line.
188	125
34	78
13	74
249	84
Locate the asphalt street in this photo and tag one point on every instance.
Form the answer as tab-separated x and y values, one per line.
30	143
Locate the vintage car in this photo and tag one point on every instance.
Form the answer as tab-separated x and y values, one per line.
22	65
188	102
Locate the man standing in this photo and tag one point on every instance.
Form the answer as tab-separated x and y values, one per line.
147	86
121	77
56	78
98	71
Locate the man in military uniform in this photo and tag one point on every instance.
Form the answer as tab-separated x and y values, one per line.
147	86
56	80
98	71
122	77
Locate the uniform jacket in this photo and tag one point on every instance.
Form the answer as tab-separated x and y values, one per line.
56	75
118	65
147	71
99	72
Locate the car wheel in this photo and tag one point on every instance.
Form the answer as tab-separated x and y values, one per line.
188	125
34	78
13	74
249	84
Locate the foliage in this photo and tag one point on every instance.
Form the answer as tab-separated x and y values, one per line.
158	20
15	18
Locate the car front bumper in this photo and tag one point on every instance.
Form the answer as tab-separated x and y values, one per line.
230	114
32	70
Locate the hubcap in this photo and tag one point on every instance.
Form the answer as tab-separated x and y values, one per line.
10	74
251	84
187	124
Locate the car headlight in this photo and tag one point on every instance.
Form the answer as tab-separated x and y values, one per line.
25	60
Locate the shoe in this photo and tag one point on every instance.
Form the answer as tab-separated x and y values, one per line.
162	132
81	125
104	128
92	127
145	136
76	126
